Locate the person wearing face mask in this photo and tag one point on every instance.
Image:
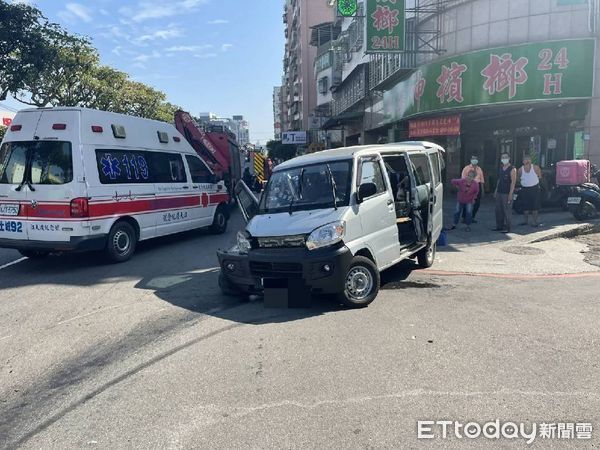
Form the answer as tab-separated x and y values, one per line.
479	179
505	188
531	194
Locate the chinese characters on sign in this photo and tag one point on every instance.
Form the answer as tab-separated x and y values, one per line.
502	73
450	82
439	126
174	217
551	70
385	25
45	227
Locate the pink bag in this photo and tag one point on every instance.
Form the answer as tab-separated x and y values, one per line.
573	173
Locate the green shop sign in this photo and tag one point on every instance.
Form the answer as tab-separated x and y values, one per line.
385	25
522	73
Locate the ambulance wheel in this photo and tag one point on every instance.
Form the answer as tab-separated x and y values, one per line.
122	240
219	225
426	257
34	254
361	284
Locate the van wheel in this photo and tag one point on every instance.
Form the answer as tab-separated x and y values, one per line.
361	284
122	240
34	254
426	257
219	225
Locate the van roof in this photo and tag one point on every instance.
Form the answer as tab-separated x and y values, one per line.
359	150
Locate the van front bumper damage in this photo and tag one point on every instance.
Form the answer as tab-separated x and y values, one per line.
321	271
75	244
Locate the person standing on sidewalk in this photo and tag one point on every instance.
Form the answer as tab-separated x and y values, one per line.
468	189
479	178
531	193
505	189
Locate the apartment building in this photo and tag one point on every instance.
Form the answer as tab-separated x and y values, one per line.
299	88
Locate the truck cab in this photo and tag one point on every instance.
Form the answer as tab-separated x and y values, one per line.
331	222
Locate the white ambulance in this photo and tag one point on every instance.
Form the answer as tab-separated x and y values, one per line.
75	179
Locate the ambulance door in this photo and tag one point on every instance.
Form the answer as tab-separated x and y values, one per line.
204	188
175	199
57	193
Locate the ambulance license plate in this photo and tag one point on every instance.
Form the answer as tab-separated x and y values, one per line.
574	200
9	209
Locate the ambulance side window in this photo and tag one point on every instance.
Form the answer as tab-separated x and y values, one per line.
198	170
124	166
168	168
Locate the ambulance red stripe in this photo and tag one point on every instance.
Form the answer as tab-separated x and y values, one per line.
55	211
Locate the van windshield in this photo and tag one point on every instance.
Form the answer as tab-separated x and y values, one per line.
308	187
39	162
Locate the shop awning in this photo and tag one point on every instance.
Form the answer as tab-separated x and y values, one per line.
340	119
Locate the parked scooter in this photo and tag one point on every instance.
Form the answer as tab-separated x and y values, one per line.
584	196
585	202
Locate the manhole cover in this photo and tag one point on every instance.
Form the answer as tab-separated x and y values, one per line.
523	250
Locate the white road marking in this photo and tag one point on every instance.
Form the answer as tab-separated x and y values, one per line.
13	263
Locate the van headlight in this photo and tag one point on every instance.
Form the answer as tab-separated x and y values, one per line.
327	235
243	243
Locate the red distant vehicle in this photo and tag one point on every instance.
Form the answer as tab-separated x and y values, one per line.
216	146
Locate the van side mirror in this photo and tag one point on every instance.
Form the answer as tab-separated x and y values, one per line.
366	190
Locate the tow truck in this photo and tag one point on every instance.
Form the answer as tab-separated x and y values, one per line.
217	147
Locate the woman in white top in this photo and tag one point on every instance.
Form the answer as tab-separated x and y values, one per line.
530	176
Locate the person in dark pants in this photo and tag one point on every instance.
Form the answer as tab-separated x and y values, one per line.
479	179
505	189
530	176
247	177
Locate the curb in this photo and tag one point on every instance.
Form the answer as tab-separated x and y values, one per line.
513	276
587	228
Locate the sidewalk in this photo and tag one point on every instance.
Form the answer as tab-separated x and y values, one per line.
525	251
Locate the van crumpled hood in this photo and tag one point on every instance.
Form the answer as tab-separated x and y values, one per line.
300	222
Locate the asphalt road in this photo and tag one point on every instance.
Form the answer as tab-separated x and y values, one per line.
148	354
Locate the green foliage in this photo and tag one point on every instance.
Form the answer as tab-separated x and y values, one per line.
2	132
277	150
41	64
23	44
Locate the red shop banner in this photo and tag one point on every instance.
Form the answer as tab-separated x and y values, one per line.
438	126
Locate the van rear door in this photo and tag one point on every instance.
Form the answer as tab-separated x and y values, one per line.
57	178
13	193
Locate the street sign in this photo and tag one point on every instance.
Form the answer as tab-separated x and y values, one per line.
293	137
385	26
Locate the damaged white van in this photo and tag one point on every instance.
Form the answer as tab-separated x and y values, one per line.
74	179
331	221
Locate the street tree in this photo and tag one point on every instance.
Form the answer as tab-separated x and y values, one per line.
23	44
65	73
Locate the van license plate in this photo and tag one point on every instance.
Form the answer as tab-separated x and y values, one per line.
574	200
9	210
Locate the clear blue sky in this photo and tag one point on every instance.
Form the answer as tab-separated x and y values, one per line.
222	56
